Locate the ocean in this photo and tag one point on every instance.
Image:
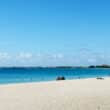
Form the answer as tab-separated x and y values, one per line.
23	75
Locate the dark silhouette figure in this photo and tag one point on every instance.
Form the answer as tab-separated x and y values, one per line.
60	78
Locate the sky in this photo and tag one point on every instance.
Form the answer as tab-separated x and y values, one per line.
54	32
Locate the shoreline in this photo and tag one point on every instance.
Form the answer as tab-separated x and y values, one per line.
52	81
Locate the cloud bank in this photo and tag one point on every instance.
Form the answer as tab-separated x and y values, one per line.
82	57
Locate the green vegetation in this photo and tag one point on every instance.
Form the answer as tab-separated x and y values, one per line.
99	66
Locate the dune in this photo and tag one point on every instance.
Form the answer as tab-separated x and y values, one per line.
81	94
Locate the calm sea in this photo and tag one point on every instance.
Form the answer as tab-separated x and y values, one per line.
10	75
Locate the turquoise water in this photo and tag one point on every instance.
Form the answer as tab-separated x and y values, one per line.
18	75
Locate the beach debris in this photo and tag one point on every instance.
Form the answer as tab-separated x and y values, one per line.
60	78
100	78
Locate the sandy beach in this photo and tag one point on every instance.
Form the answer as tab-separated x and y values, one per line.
81	94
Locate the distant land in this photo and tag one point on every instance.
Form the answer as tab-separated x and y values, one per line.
31	67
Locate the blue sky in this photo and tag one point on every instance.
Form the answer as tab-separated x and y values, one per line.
54	32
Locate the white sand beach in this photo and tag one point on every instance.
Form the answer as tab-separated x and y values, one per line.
82	94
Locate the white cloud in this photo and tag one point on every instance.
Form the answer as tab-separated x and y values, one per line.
24	56
57	56
4	56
